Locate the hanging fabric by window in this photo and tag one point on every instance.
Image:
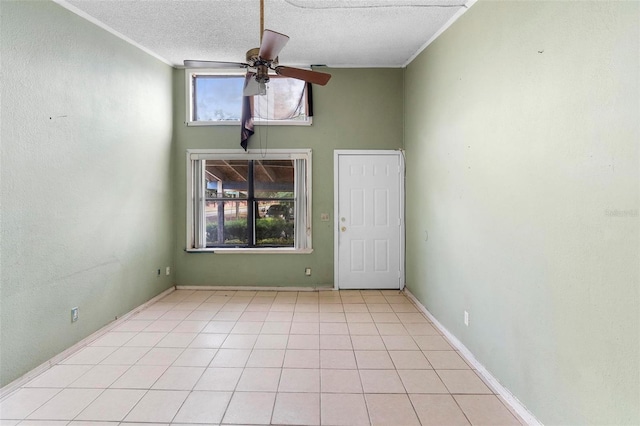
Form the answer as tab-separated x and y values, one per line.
246	128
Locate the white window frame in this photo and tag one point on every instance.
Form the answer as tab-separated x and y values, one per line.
189	72
303	236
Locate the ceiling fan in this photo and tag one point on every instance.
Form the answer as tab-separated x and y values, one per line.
262	59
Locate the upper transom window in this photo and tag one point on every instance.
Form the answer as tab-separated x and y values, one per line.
216	98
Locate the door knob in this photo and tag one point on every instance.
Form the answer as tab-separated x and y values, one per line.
344	228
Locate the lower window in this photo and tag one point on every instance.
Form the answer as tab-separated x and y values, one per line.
245	201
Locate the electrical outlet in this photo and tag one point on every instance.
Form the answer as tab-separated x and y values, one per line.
466	318
307	271
324	217
74	314
168	270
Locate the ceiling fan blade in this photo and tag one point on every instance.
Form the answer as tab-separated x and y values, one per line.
309	76
272	44
213	64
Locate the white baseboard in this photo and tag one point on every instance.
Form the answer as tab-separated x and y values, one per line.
23	380
503	392
250	288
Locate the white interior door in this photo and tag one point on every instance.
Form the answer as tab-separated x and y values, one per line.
369	234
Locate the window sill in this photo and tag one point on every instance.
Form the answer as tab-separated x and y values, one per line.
251	251
255	123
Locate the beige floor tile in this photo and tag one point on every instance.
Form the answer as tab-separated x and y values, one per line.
331	308
463	382
231	358
268	358
386	317
254	316
380	307
90	355
374	299
417	329
302	341
381	381
396	299
175	315
179	378
219	379
162	326
219	327
485	410
306	317
157	406
125	356
355	308
367	343
24	401
176	340
59	376
412	318
391	329
422	381
370	360
146	339
409	360
432	343
297	409
337	359
331	341
259	380
240	341
133	325
358	317
403	307
306	307
332	317
276	327
343	409
160	356
446	360
301	358
250	408
438	410
279	317
333	328
112	405
305	328
391	409
203	407
66	404
208	341
340	381
139	377
299	380
100	376
258	307
363	329
248	327
114	338
400	343
190	326
283	307
272	341
228	314
195	357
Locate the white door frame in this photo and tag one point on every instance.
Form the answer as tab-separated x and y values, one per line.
336	224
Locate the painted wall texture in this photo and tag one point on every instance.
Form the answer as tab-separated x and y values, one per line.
522	138
358	109
86	180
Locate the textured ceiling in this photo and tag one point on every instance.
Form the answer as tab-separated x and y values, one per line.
337	33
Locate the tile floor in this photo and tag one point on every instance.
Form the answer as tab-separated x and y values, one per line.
265	357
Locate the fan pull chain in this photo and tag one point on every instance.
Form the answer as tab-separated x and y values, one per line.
261	19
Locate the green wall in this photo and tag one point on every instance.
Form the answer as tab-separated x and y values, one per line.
85	180
522	131
358	109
